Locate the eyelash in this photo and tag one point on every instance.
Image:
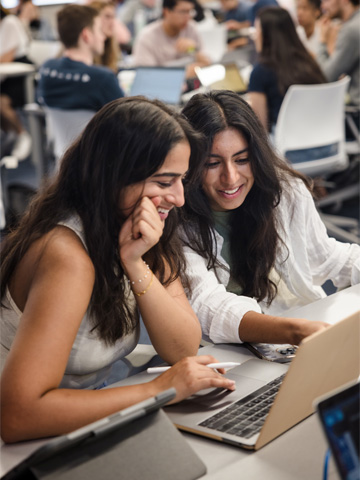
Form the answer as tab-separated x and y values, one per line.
164	185
240	161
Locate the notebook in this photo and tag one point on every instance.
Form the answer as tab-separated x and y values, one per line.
339	414
139	440
222	77
271	397
162	83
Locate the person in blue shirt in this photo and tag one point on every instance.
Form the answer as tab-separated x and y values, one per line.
73	81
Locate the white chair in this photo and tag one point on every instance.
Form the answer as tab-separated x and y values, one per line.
310	134
311	125
64	126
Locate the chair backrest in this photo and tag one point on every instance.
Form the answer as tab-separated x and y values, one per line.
310	131
64	126
42	50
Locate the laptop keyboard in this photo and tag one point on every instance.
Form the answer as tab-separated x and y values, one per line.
245	417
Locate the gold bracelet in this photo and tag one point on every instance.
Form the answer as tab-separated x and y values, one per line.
147	288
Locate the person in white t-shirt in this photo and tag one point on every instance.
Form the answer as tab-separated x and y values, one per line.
172	40
308	12
14	46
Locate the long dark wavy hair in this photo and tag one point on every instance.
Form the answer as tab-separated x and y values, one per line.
254	236
283	51
126	142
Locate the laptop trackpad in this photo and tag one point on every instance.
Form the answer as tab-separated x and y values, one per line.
259	370
214	398
249	376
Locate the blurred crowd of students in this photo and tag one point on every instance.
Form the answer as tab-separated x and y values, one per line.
305	42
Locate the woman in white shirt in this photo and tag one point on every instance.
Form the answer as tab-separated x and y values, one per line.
254	240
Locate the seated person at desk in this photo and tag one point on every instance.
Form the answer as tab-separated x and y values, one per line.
235	10
137	13
97	249
344	58
173	40
250	14
73	81
254	240
38	26
112	54
14	47
235	14
283	61
308	13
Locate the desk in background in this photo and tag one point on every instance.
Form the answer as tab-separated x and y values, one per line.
18	69
298	454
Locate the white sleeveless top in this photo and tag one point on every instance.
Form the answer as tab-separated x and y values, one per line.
90	359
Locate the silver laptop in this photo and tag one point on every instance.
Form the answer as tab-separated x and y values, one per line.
270	397
161	83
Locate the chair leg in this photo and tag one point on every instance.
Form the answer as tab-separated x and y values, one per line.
336	225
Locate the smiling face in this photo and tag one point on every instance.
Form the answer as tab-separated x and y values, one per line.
165	183
228	177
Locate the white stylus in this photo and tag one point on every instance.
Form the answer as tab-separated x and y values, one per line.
210	365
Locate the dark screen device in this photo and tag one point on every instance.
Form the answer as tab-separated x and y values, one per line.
339	414
137	442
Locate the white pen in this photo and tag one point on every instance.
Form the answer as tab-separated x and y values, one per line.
210	365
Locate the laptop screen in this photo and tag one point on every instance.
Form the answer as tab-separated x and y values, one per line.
162	83
340	418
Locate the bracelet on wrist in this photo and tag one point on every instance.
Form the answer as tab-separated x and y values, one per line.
147	288
133	282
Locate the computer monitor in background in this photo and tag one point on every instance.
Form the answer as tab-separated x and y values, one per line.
162	83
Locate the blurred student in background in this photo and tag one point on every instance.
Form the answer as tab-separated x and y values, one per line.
173	39
38	26
73	81
112	53
137	13
14	47
113	27
283	61
308	13
15	41
344	58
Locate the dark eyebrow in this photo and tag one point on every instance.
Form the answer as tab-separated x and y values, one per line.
234	155
167	174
